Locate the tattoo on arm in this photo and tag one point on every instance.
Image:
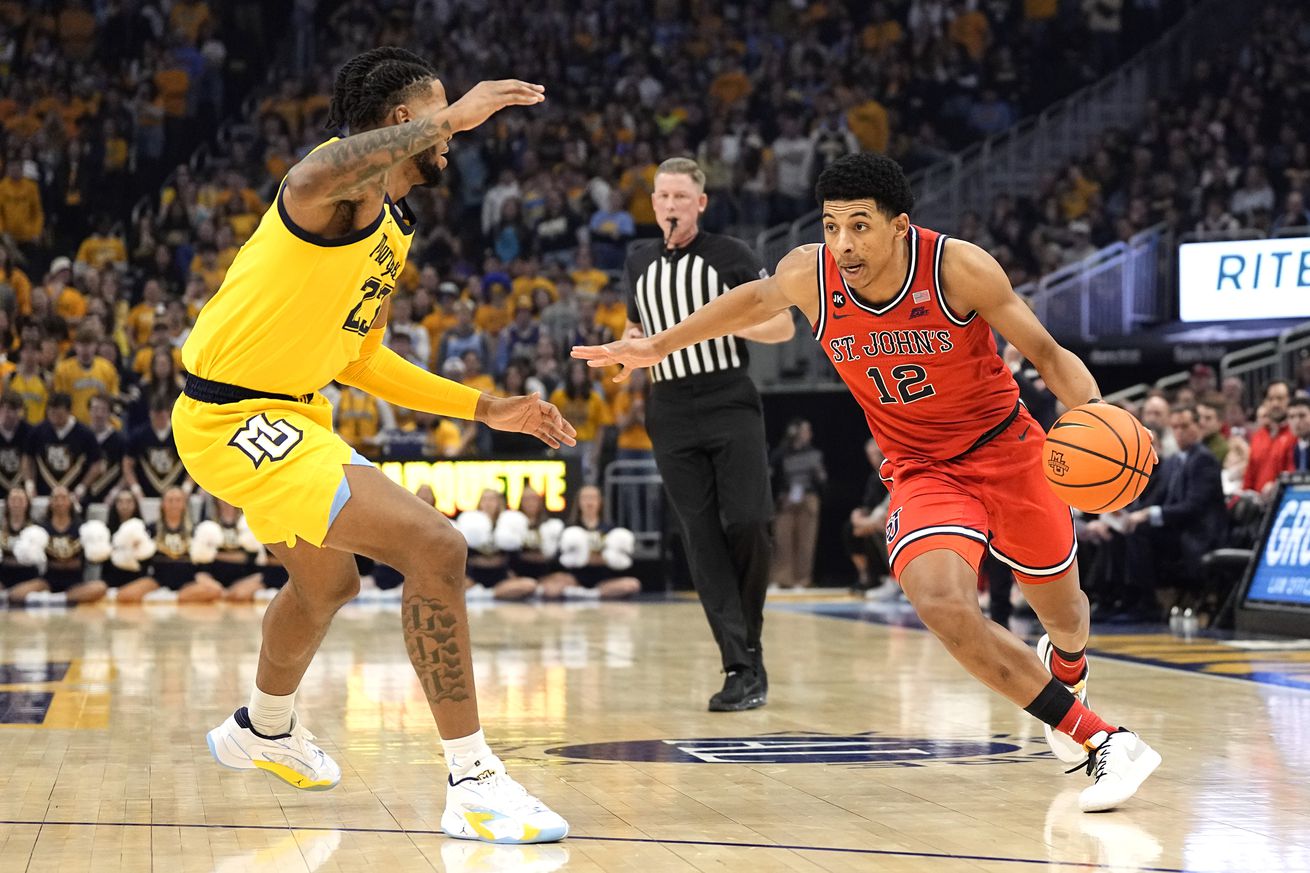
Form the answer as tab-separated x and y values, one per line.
352	165
430	629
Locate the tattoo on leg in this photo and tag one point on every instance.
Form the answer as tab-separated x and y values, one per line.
433	650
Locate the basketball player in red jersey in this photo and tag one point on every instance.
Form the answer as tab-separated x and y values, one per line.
906	316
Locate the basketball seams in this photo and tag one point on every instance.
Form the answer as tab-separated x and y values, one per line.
1124	463
1131	475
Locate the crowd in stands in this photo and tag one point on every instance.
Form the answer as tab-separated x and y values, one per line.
98	99
1229	150
517	256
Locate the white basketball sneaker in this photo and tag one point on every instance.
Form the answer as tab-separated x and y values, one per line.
490	806
292	756
1063	745
1120	764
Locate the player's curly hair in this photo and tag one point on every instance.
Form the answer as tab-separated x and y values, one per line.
867	176
373	83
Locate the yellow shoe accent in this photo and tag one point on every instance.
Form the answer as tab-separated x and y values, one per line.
530	833
286	774
476	820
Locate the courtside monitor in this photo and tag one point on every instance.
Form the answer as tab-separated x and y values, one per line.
1276	588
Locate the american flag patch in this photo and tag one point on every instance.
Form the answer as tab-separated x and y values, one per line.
920	296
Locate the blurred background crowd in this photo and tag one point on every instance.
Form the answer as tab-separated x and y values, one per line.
142	140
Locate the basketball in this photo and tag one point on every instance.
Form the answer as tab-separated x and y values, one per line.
1098	457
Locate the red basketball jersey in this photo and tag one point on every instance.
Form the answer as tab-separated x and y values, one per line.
930	381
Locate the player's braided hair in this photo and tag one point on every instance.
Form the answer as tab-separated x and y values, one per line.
867	176
371	84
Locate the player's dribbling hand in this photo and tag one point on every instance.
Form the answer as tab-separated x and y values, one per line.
485	99
632	354
530	415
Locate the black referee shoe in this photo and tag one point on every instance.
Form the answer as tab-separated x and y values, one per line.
757	655
743	689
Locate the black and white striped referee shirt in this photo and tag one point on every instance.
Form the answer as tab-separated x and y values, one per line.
663	288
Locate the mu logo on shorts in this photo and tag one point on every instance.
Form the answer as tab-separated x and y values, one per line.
262	439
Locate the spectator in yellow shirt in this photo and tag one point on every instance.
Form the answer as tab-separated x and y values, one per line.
586	278
493	313
85	375
103	246
630	418
869	122
442	317
142	317
360	418
66	301
585	408
638	184
209	269
29	383
611	311
474	376
21	215
187	17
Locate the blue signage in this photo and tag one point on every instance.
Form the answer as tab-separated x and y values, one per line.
1283	572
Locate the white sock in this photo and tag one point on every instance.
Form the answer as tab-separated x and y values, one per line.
270	714
463	755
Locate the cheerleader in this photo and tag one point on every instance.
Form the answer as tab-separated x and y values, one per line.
17	516
174	564
234	559
536	559
593	555
130	536
494	534
58	546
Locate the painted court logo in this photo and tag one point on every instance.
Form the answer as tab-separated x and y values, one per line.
1057	463
863	749
262	439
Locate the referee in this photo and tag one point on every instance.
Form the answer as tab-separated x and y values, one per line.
706	423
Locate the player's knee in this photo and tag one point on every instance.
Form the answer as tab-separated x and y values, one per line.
436	547
951	618
331	590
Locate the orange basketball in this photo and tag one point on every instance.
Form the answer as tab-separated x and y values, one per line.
1098	457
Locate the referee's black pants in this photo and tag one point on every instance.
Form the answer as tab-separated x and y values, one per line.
708	437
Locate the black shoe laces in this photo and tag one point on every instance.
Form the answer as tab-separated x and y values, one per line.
1097	762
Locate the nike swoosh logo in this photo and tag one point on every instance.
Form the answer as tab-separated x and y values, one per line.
1075	726
847	315
1025	433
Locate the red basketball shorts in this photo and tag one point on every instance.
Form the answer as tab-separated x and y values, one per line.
996	497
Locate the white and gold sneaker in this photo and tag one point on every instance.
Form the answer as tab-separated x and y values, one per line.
292	756
488	805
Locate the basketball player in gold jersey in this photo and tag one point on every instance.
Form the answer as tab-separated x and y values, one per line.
305	303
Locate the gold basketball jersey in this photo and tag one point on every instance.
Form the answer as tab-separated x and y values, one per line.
295	307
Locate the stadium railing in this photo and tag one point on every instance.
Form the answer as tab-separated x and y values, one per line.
1017	159
634	498
1111	292
1255	365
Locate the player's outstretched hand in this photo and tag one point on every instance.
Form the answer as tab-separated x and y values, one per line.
530	415
633	354
485	99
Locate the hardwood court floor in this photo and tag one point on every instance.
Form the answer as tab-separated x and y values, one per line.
600	710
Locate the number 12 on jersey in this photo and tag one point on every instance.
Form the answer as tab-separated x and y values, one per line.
910	382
